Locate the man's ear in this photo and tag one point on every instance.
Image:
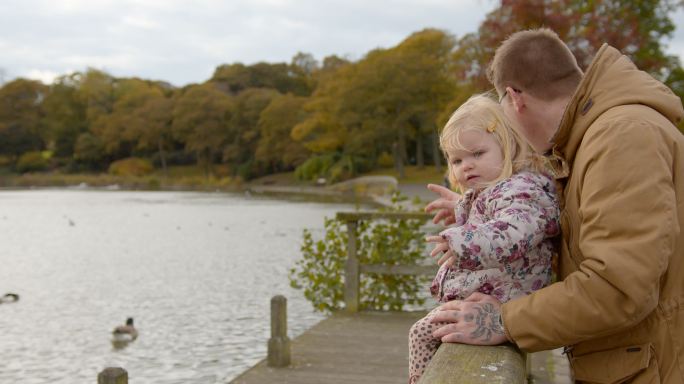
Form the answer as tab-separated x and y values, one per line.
516	98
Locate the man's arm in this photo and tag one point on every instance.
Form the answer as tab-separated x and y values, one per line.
627	233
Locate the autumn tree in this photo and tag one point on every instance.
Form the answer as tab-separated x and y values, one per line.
237	77
21	117
276	149
636	28
65	114
243	134
383	102
154	133
201	120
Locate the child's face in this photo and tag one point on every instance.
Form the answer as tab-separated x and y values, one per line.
479	161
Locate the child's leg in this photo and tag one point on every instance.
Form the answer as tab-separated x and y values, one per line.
422	346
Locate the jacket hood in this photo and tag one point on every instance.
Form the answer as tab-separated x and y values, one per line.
612	80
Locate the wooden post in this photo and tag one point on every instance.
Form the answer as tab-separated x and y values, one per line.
279	343
351	271
113	375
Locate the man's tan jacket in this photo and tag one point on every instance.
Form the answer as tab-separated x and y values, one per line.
619	307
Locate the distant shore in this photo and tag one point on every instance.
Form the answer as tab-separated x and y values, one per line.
368	189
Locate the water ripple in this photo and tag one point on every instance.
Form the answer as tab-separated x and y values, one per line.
196	272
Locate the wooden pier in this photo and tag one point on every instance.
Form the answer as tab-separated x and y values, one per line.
364	347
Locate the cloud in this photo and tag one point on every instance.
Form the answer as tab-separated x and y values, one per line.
183	42
46	77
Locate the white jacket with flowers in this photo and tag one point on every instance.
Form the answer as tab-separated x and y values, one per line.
502	240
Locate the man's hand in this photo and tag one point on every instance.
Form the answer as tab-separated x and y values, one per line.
475	320
445	203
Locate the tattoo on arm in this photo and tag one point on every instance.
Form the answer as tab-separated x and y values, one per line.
487	321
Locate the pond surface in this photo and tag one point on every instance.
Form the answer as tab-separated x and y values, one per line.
195	270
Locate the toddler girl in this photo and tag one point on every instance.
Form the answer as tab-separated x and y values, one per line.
501	243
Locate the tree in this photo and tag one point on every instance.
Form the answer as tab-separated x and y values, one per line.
276	149
65	114
201	120
21	117
383	102
156	115
634	27
235	78
244	132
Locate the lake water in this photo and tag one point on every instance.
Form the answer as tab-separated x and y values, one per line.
195	270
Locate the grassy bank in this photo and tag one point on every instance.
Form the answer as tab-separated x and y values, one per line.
190	178
177	178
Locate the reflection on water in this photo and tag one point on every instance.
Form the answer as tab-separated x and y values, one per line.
195	270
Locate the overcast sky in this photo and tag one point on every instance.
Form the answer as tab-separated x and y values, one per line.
184	41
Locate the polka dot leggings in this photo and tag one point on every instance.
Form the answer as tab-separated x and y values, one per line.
422	345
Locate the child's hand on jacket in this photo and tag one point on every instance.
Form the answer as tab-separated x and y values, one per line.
441	249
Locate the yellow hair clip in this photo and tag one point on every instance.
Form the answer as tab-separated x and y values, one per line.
492	127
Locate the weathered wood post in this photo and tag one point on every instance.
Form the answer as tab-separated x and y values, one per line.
113	375
279	343
351	270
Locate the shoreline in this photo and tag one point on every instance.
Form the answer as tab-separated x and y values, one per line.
374	190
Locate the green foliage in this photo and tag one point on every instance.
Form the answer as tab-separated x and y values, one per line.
285	78
245	170
131	166
315	167
32	162
319	273
21	117
332	166
89	150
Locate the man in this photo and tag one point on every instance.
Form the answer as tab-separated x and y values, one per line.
618	307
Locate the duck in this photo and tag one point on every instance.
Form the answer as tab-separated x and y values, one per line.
9	298
125	333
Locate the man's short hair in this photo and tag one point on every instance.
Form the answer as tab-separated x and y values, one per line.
535	61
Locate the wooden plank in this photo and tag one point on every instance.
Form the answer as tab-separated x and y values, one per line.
349	348
356	216
351	272
471	364
399	269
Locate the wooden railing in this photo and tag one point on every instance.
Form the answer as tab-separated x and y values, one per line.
353	269
453	363
475	364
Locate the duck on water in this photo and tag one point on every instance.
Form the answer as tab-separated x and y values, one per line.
9	298
125	333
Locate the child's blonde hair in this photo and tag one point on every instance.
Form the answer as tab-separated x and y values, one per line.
483	113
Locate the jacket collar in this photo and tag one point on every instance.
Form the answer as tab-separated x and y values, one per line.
611	80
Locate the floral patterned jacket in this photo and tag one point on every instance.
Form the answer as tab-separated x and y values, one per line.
502	239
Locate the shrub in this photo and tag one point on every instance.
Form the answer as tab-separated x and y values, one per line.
315	167
333	167
385	160
132	166
32	162
319	272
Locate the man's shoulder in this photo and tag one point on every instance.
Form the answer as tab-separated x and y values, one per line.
624	119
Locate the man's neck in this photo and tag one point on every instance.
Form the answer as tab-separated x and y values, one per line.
551	116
